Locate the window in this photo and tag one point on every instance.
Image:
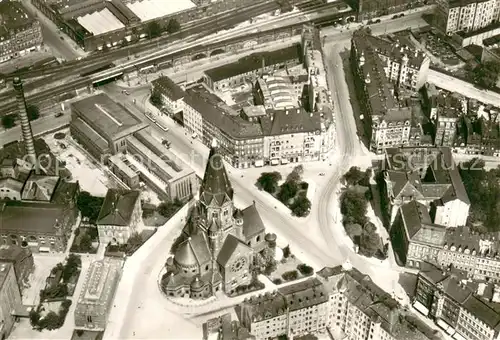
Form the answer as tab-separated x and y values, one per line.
89	318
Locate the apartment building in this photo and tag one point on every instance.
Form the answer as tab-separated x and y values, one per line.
380	68
293	310
466	15
96	297
446	112
10	295
20	33
172	95
120	216
340	300
449	298
429	176
255	136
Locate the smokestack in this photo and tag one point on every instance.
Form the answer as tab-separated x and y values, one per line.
27	134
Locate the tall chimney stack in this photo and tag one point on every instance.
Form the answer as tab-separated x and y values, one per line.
27	134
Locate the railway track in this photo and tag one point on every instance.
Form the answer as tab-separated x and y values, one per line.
204	26
9	106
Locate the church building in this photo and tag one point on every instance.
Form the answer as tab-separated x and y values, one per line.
218	243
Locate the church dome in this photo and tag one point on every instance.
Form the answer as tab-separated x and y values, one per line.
185	255
197	283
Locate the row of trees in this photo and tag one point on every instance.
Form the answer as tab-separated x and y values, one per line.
154	29
483	189
485	74
9	121
354	207
292	193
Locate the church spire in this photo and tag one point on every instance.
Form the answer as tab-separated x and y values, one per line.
215	185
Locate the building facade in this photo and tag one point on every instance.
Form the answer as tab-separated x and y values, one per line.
120	216
22	260
340	300
10	295
94	303
470	15
380	68
449	299
20	32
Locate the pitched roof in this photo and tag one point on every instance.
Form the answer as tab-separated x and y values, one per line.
228	248
11	183
169	88
215	186
118	207
193	251
418	225
252	222
39	187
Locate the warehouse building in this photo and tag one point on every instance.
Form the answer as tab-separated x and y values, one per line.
123	142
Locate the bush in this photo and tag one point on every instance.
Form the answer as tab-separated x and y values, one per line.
305	270
268	181
290	275
168	209
287	252
301	206
270	268
277	281
52	292
8	121
90	206
304	185
59	135
33	112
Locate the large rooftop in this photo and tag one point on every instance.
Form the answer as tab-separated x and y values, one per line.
29	217
100	283
108	118
151	9
118	207
100	22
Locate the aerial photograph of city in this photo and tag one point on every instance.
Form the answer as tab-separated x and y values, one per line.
250	169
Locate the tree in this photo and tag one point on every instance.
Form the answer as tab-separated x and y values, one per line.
268	181
34	317
51	321
85	243
154	29
33	112
156	99
73	263
296	174
301	206
89	206
353	176
353	230
173	26
353	206
486	74
288	190
287	252
135	239
370	240
168	209
8	121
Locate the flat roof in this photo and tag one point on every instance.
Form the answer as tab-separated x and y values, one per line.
13	16
151	9
110	119
100	283
100	22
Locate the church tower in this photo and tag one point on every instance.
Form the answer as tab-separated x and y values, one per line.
216	192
